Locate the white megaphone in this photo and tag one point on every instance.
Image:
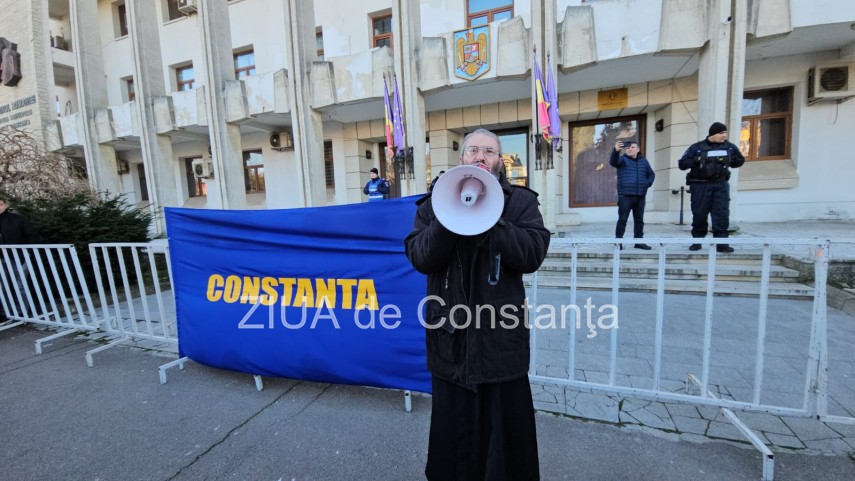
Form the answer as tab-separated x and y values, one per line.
468	200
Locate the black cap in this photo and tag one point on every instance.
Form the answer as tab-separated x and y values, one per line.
717	128
374	169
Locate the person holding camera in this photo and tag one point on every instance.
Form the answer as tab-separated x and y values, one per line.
709	162
634	177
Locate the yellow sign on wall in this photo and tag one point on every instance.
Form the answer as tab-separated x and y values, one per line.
612	99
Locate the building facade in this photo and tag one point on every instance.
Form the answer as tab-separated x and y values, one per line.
280	103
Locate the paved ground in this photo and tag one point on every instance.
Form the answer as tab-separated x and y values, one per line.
62	420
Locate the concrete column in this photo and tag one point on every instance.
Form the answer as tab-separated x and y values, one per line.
213	21
92	94
544	35
739	25
45	91
356	163
442	153
721	75
144	34
306	122
406	18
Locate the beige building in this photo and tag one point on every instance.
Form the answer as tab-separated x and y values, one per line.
279	103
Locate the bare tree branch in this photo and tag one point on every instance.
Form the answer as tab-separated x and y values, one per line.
27	170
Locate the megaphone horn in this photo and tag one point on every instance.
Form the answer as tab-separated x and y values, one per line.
468	200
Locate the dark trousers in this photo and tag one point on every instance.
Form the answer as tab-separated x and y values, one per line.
710	199
625	205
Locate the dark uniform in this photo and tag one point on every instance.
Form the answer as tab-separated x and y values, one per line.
482	419
709	167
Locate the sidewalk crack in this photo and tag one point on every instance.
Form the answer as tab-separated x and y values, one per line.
228	434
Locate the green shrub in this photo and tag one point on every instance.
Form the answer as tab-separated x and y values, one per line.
85	218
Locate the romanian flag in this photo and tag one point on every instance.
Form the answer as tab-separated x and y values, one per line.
542	108
552	106
387	111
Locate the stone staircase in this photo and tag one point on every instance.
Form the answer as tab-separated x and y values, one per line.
736	274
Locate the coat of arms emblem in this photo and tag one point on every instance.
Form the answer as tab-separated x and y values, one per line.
472	52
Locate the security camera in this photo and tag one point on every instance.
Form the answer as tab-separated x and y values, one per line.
727	20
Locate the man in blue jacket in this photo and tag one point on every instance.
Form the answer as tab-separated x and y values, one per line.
634	177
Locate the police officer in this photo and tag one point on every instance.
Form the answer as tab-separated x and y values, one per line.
709	162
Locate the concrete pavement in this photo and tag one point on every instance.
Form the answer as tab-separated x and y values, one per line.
62	420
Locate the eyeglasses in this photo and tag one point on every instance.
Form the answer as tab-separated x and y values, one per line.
472	151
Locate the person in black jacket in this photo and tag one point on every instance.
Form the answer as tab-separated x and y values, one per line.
482	418
709	162
634	177
15	229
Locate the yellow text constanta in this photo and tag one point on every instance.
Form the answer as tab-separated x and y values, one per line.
294	291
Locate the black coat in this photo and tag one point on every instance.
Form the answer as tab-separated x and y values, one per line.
16	229
634	176
457	268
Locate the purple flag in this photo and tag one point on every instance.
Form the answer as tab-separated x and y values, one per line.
552	101
398	121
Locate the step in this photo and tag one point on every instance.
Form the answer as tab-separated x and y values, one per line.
652	257
790	290
631	268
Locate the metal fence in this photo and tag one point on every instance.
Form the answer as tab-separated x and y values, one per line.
815	381
551	347
44	285
134	282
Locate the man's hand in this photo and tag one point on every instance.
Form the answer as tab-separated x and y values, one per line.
618	145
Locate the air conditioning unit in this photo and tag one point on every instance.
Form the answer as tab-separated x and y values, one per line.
280	141
831	82
187	7
123	167
203	168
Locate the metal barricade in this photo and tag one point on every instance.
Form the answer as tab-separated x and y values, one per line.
44	284
134	282
810	358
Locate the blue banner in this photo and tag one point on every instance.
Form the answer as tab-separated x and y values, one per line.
320	294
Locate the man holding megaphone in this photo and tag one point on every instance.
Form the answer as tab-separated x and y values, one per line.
474	236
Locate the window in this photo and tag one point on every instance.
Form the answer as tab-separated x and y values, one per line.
253	171
143	182
172	10
244	64
129	86
319	42
593	182
122	16
329	168
482	12
184	78
382	27
515	155
767	118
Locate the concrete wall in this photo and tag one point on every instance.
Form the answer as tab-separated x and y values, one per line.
347	25
819	160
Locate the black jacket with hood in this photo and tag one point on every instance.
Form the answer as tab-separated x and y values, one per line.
16	229
497	348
